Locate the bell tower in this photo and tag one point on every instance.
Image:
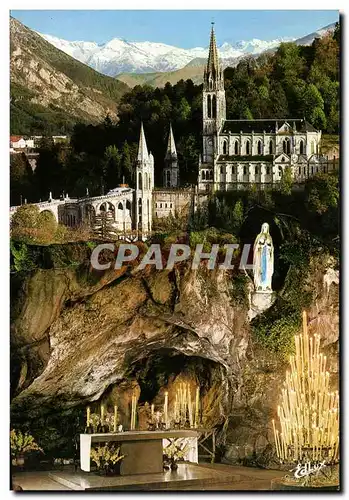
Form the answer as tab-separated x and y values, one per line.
213	101
171	171
144	186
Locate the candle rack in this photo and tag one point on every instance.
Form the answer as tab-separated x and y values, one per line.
309	412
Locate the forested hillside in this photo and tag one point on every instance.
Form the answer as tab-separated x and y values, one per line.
51	91
294	82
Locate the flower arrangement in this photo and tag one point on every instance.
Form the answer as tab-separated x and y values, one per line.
105	457
22	444
175	452
95	420
109	420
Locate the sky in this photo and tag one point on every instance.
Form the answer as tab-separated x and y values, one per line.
180	28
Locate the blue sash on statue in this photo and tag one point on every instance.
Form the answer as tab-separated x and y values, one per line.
264	266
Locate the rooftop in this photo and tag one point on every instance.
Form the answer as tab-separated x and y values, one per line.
269	126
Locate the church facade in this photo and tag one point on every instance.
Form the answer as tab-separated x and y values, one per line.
238	153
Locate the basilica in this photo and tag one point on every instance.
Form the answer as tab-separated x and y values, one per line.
236	154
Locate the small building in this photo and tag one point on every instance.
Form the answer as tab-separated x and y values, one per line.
19	142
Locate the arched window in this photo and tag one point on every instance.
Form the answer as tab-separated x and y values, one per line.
256	170
222	169
211	175
209	106
271	149
268	170
286	146
299	170
225	147
120	207
168	178
312	147
148	212
236	148
259	147
140	186
214	106
301	147
245	170
233	170
203	174
248	148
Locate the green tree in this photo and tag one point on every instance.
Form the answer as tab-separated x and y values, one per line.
21	178
26	216
286	181
238	216
322	192
112	166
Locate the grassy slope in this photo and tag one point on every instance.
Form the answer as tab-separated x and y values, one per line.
160	79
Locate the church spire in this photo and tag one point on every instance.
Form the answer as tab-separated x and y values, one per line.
142	147
213	73
213	60
171	152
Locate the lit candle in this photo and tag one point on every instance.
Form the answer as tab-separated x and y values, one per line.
197	403
166	409
115	417
152	411
277	451
102	414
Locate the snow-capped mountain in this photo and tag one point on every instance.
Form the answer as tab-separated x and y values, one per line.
123	56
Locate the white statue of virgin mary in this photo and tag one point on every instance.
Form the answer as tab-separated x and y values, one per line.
263	260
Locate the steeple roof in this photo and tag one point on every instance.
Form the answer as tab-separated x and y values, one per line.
213	60
171	146
142	147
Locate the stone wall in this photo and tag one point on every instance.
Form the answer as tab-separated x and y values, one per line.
166	201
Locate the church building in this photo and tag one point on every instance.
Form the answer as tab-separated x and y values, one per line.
238	153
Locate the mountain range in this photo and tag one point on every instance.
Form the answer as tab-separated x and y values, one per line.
55	83
120	56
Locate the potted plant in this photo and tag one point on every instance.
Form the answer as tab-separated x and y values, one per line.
173	453
107	459
21	444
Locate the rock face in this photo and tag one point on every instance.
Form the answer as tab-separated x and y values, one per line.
46	76
81	340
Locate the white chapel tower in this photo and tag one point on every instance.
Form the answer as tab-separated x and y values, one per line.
171	171
144	186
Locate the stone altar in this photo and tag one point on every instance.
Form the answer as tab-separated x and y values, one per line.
143	450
